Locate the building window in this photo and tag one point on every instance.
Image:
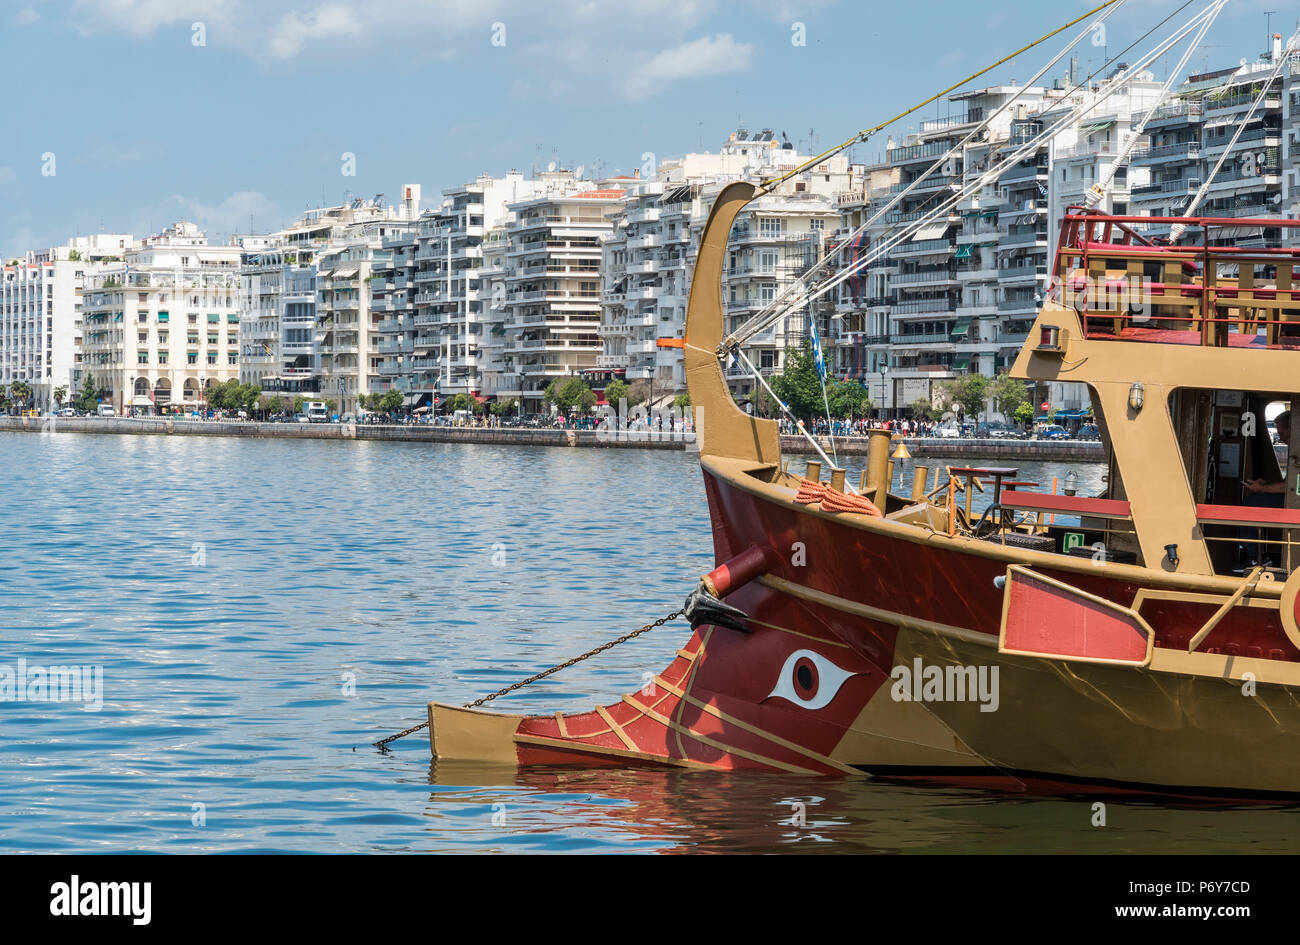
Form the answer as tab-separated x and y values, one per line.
771	226
162	357
816	226
192	357
142	357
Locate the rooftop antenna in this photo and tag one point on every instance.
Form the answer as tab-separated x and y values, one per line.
1268	37
700	126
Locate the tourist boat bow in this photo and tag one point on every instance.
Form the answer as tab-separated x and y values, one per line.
897	636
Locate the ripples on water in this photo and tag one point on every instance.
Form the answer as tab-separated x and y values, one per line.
230	588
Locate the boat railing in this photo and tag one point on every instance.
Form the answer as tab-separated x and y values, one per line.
1130	287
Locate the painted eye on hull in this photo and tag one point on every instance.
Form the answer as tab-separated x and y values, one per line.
809	679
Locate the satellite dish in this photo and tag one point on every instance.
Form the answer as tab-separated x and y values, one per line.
551	166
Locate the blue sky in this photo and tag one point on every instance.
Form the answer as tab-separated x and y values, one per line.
147	126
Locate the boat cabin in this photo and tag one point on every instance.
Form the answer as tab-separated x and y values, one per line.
1190	352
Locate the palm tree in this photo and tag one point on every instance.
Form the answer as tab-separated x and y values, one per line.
60	395
21	392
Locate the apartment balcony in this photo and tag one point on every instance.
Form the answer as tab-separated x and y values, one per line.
1016	274
396	347
1026	306
612	361
930	338
643	242
1184	151
1023	173
615	331
643	215
920	247
1178	113
933	182
977	275
917	152
1179	186
1025	238
1242	100
932	278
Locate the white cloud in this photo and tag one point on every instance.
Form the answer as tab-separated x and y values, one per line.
708	55
332	21
26	16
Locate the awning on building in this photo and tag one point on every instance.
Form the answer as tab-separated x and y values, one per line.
931	232
141	400
961	328
324	272
961	363
344	273
963	252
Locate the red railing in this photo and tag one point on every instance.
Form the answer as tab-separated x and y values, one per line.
1131	287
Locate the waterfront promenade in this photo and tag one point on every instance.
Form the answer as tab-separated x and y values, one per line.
1044	450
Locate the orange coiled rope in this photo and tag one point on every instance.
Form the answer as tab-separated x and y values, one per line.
831	500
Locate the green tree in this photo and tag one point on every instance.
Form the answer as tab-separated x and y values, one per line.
1024	413
570	393
682	401
616	391
968	393
60	392
503	407
88	398
299	401
1007	394
798	384
21	392
390	401
848	400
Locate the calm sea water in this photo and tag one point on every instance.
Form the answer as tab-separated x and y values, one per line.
263	610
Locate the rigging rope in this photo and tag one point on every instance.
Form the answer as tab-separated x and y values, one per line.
867	133
1098	190
796	286
1176	231
765	319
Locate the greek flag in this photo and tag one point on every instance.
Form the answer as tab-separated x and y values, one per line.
817	352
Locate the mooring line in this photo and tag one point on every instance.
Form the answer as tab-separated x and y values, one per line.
382	743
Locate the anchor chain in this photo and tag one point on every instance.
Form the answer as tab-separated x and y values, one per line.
543	674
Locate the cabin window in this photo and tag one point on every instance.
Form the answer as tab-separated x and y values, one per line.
1236	448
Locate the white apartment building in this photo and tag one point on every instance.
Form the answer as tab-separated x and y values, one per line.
162	326
446	327
278	291
552	284
40	313
349	340
648	259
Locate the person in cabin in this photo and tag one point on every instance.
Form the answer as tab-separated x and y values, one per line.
1259	490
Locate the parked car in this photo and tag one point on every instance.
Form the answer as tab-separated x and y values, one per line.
1053	432
949	431
106	410
993	428
301	418
1088	431
67	412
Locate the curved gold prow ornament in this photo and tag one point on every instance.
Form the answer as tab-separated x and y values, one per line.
721	427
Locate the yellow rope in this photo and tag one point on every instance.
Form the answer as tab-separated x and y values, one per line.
864	135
